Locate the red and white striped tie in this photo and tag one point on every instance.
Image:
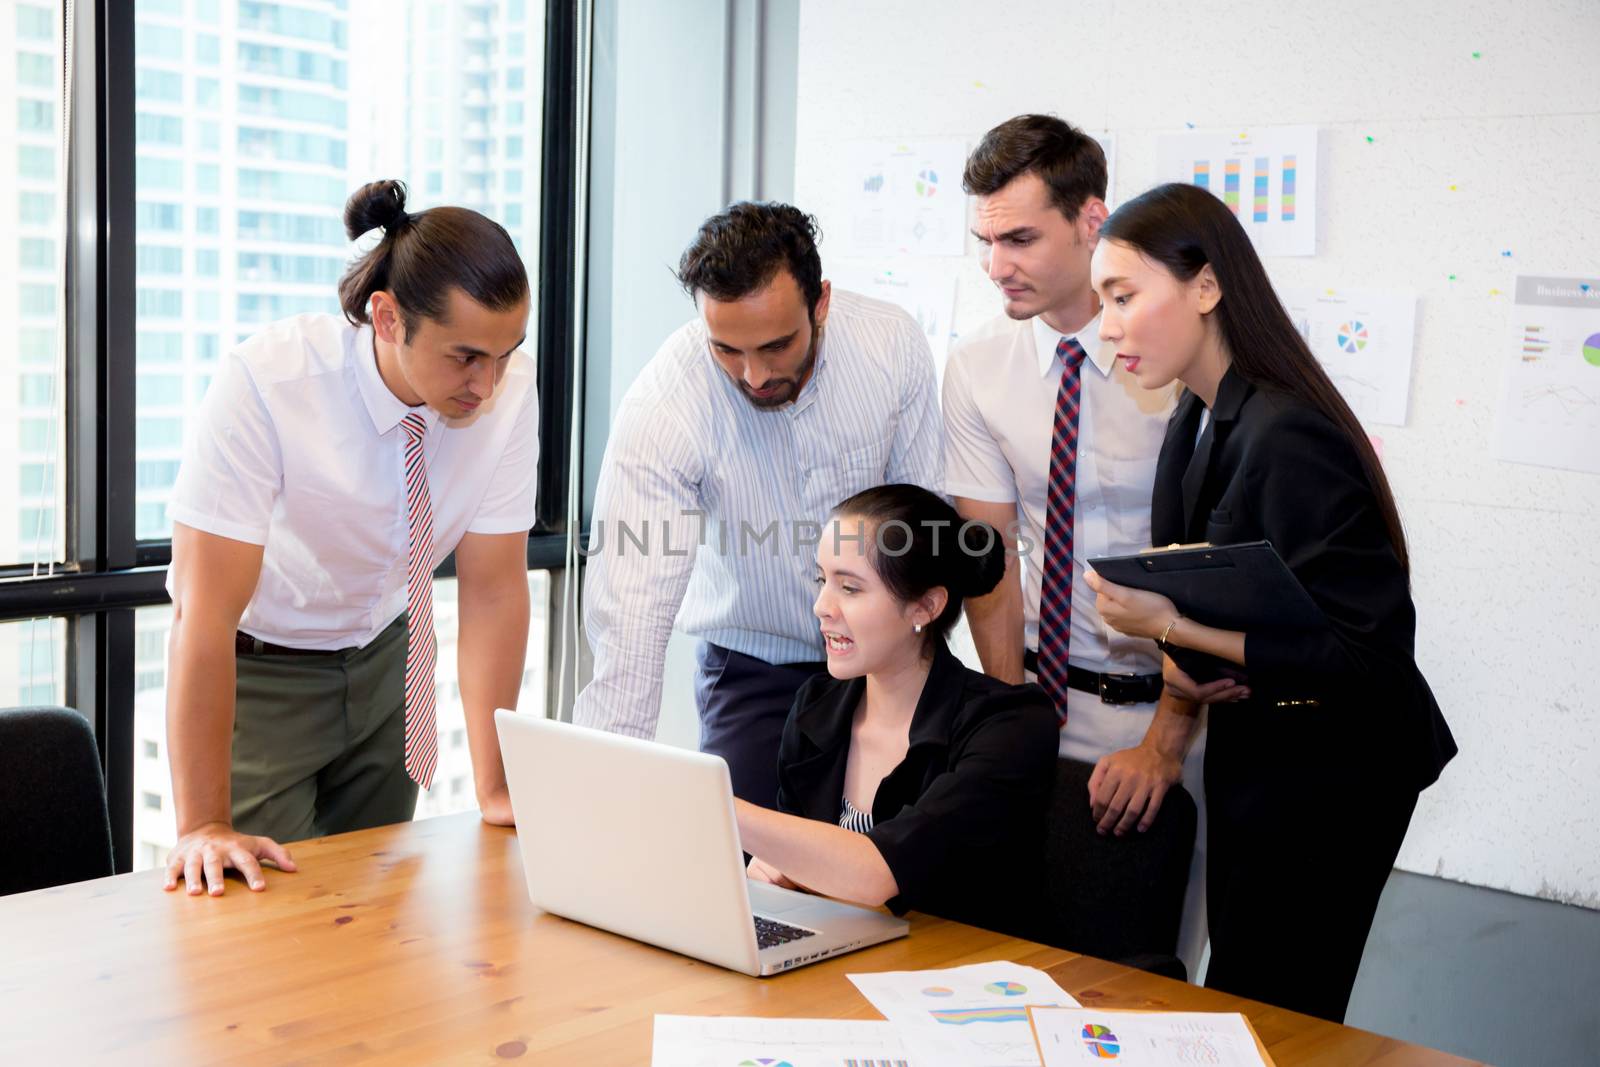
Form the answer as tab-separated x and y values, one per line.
422	736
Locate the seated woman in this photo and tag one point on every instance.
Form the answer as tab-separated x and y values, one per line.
903	777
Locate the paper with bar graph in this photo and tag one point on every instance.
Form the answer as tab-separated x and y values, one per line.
1267	177
972	1015
1364	339
727	1041
1550	394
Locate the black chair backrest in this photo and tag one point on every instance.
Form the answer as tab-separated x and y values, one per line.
54	827
1114	897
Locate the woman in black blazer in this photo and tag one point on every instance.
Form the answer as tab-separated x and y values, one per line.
903	777
1311	780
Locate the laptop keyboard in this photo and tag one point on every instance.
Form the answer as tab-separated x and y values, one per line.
771	932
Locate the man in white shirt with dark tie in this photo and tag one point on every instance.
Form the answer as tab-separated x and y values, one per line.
334	462
781	398
1049	435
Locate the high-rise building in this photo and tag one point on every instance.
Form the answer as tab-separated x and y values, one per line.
31	305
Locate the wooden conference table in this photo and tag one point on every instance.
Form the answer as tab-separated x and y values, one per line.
416	944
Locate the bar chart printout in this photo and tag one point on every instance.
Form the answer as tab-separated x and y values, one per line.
1278	210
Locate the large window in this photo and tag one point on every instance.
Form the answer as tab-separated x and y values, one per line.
32	242
307	101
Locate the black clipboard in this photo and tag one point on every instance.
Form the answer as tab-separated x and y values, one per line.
1231	587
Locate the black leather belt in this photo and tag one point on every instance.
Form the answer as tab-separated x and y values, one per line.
245	645
1117	689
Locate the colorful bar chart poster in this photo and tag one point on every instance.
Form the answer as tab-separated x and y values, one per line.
1549	412
1364	339
901	198
1281	161
924	288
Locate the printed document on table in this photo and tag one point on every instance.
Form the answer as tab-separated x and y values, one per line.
1075	1036
973	1016
723	1041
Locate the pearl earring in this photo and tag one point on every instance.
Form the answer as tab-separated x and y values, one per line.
916	629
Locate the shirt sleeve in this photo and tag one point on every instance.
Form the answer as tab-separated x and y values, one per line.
508	506
975	467
648	492
916	455
1318	509
232	469
999	778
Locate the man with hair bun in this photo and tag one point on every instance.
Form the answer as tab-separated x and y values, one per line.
334	462
780	398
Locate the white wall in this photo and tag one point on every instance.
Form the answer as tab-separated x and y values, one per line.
1506	572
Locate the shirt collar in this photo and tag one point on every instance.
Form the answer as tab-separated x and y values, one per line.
1045	340
383	407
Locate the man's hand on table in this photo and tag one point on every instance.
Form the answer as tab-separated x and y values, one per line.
202	854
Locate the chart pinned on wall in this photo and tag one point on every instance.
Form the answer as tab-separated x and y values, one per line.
1267	177
1108	144
1549	411
1364	339
924	289
905	198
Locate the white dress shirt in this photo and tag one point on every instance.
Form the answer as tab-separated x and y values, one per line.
698	474
1000	388
298	447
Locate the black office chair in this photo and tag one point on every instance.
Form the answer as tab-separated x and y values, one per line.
54	827
1118	898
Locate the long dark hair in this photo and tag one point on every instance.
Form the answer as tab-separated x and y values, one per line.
423	256
919	542
1183	228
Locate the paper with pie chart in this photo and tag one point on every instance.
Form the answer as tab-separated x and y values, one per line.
1364	339
1077	1036
728	1041
1549	411
977	1014
903	197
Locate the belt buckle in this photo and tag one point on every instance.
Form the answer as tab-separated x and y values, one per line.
1106	681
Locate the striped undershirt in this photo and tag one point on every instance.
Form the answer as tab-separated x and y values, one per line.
853	818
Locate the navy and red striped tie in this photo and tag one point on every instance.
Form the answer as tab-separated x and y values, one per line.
1055	598
422	735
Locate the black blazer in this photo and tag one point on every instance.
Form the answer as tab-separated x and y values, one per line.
960	821
1269	467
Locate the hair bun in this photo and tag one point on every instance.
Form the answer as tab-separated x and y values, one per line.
375	204
984	549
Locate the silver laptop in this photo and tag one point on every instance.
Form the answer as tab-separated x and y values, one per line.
639	838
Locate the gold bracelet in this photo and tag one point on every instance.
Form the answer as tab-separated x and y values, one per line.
1161	642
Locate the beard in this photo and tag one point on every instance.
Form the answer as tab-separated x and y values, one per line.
787	389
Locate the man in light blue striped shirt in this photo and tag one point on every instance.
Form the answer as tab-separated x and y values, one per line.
779	400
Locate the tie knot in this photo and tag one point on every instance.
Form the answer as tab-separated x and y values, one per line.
414	425
1070	352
